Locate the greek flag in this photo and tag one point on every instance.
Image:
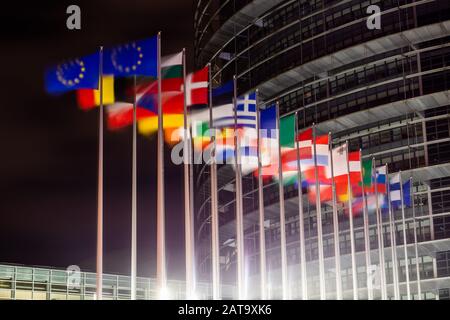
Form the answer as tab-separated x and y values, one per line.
245	111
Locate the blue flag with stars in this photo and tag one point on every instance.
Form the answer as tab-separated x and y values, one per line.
80	73
268	122
134	58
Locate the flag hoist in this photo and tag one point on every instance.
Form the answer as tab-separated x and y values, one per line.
369	282
239	200
301	216
395	266
161	276
134	199
352	233
322	289
416	249
262	233
284	270
188	213
99	290
215	244
380	180
337	253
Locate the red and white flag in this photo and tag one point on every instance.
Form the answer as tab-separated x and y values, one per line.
197	88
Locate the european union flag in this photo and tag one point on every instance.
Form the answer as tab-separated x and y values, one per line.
225	89
135	58
80	73
268	122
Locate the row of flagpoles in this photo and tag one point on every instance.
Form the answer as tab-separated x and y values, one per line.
244	132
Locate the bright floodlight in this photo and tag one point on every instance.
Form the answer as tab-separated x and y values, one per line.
164	293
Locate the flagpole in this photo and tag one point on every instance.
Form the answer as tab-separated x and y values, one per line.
337	251
262	233
366	232
319	223
301	217
380	238
188	236
352	233
99	292
405	243
284	276
215	241
239	205
393	242
134	202
416	249
161	277
192	210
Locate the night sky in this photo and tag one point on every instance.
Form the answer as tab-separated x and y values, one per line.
48	147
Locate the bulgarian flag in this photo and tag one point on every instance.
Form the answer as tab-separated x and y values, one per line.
173	95
171	86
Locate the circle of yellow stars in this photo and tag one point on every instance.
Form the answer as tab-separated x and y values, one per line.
127	69
62	69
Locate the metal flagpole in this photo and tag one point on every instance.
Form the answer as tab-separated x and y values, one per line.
405	243
192	211
215	244
337	251
134	202
262	233
319	223
99	291
187	199
301	217
393	241
284	276
352	232
366	233
380	238
416	249
161	277
239	204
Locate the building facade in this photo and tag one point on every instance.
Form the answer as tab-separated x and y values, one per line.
386	91
19	282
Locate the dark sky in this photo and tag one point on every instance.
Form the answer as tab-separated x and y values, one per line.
48	148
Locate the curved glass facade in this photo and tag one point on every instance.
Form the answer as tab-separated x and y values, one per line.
385	91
